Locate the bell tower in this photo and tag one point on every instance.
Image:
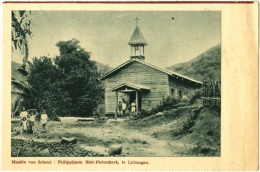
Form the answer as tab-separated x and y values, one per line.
137	43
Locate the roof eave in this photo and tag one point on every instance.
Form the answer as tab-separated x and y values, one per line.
186	78
113	70
136	43
171	73
131	86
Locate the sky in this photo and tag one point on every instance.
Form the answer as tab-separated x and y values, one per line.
106	34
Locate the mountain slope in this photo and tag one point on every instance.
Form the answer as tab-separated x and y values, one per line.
203	67
103	68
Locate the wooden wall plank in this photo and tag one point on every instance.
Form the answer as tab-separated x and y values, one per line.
139	74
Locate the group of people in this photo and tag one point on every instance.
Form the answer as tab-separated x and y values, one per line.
122	107
28	121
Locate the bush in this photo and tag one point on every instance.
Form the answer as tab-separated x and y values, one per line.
143	113
100	111
167	103
196	96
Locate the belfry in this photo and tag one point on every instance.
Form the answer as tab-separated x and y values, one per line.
137	43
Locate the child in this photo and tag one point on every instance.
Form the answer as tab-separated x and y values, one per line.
44	119
31	122
24	125
23	115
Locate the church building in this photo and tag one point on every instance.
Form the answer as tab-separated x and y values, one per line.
144	83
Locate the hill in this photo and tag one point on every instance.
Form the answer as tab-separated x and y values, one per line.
206	65
103	68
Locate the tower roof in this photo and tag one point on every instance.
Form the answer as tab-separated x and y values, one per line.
137	37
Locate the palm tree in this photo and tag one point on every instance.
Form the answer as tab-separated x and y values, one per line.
21	29
22	91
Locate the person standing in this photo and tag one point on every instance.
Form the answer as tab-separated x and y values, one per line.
31	122
23	114
44	119
133	107
24	125
23	118
123	108
120	109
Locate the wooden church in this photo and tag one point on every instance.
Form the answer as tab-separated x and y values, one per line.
144	83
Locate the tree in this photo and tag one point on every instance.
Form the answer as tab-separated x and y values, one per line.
25	95
80	75
66	85
31	90
21	29
42	75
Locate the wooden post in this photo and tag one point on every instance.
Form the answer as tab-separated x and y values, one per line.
143	50
116	103
136	100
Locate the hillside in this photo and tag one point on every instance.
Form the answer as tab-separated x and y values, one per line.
206	65
103	68
195	127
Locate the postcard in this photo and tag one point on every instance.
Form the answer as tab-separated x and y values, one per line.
130	86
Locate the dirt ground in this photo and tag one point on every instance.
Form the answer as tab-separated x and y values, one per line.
99	136
139	138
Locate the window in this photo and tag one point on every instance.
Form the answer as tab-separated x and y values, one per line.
180	94
172	92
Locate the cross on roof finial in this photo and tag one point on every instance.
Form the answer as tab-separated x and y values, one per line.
136	19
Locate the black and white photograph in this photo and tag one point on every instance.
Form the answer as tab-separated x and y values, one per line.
115	83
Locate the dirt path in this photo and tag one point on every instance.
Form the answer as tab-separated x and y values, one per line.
99	136
136	142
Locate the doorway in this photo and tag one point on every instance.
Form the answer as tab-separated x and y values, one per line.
132	97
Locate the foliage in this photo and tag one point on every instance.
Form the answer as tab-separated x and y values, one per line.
21	29
64	86
196	96
103	68
167	103
100	110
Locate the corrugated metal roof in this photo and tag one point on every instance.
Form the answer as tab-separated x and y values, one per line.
137	37
171	73
131	85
